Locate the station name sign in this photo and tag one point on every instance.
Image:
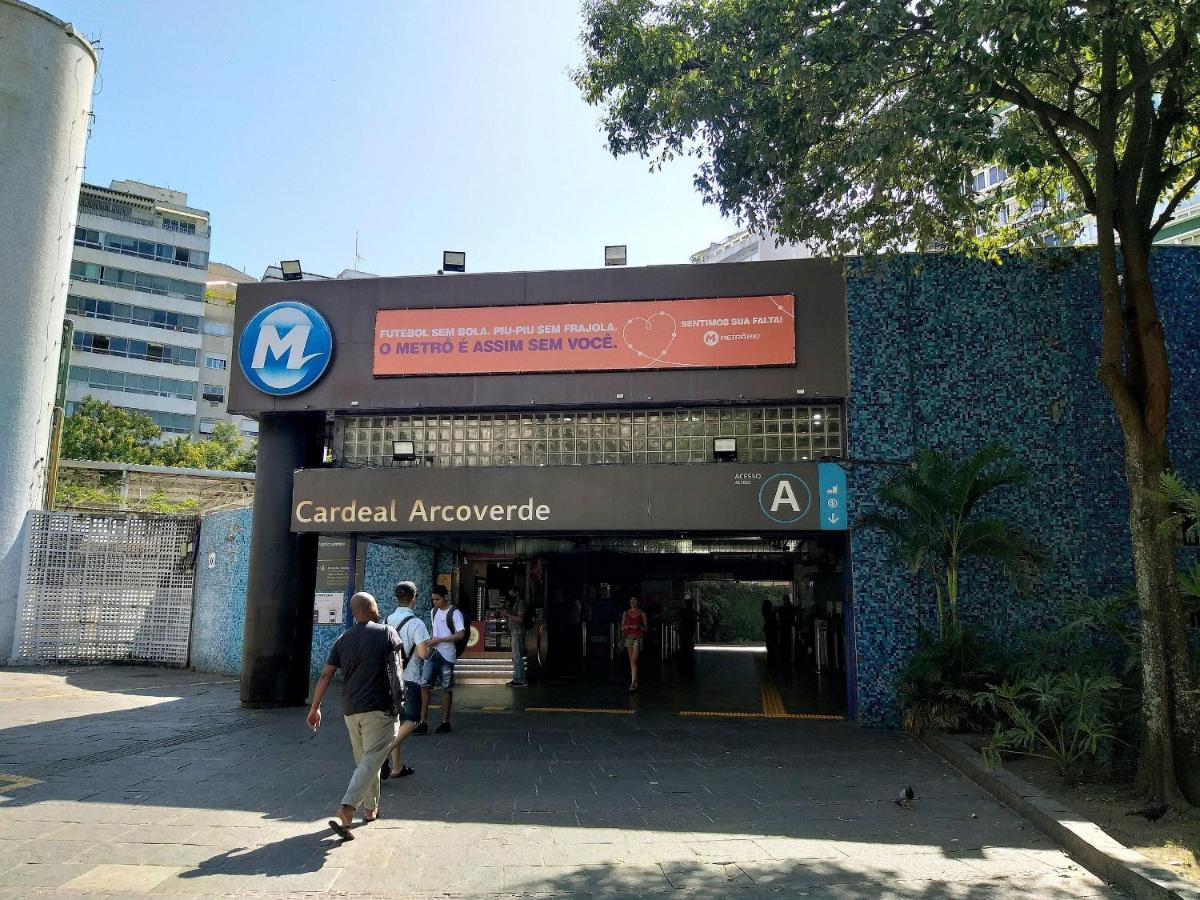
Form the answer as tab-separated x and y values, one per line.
715	332
555	499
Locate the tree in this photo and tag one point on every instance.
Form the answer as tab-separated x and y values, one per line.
223	450
97	430
855	126
105	433
933	519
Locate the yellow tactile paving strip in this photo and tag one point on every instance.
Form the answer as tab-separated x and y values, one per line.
567	709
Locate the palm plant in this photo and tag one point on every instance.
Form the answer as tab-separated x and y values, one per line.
930	511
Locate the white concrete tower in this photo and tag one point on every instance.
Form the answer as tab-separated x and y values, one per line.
46	75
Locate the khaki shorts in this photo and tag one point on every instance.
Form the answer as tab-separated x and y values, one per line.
633	643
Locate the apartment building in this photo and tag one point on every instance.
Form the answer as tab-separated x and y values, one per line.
216	347
136	299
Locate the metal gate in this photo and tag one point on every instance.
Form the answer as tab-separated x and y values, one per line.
106	588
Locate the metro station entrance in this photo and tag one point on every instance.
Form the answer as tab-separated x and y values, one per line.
739	625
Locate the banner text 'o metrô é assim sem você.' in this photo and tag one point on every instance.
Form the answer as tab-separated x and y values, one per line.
719	332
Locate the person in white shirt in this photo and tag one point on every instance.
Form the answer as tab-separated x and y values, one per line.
414	637
448	627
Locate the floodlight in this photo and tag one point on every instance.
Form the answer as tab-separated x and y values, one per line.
291	269
615	255
404	451
454	261
724	449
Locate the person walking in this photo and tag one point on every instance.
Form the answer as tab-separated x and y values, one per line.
448	626
363	653
415	649
787	629
770	627
517	613
634	625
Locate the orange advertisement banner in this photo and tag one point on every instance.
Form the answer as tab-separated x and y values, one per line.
718	332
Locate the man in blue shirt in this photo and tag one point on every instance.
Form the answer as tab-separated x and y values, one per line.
413	636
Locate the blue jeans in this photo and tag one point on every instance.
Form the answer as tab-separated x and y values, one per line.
437	670
518	653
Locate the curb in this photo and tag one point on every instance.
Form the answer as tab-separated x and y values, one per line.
1084	840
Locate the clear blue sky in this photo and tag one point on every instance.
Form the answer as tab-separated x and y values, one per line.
423	126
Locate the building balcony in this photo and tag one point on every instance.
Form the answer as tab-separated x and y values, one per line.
137	332
76	391
144	229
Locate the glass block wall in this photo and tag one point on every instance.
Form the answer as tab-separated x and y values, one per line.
564	438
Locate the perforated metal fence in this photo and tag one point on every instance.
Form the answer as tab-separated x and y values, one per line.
106	588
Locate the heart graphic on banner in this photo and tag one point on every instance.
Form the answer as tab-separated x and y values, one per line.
650	337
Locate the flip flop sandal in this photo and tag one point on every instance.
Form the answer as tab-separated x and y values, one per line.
403	772
342	831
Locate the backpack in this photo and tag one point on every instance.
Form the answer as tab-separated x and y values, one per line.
461	644
404	657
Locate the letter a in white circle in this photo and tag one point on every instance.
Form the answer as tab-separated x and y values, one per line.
784	495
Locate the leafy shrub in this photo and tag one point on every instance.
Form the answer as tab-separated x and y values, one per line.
940	682
1066	717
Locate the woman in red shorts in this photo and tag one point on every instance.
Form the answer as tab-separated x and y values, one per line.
633	630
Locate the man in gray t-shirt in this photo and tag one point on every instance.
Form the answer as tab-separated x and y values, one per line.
363	653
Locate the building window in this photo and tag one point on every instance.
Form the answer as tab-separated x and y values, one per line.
131	348
131	383
135	315
996	174
136	281
218	329
178	225
587	437
207	426
980	181
212	361
214	392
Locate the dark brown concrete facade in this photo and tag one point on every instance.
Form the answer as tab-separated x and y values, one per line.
821	369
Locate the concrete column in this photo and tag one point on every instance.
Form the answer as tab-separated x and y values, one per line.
46	75
279	592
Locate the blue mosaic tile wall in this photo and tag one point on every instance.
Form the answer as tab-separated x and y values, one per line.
219	604
385	566
954	353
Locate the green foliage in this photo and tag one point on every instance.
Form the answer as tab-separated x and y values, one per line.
102	432
942	678
730	611
1068	718
931	513
855	127
1099	636
75	496
105	433
1185	507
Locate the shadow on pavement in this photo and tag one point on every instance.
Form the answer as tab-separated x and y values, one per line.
163	767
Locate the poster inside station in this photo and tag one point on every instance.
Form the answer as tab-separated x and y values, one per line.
714	332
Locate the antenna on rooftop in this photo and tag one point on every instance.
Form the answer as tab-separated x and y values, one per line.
357	258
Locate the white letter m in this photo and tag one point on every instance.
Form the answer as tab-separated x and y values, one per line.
292	344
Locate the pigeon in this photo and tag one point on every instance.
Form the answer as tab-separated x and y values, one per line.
906	798
1153	813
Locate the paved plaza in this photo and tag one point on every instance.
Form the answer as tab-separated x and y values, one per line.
143	782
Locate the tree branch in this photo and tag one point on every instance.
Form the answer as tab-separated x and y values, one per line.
1180	195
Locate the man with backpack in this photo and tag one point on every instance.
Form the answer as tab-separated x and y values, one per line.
449	637
414	650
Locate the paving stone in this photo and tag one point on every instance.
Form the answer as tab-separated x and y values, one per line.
115	877
509	805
